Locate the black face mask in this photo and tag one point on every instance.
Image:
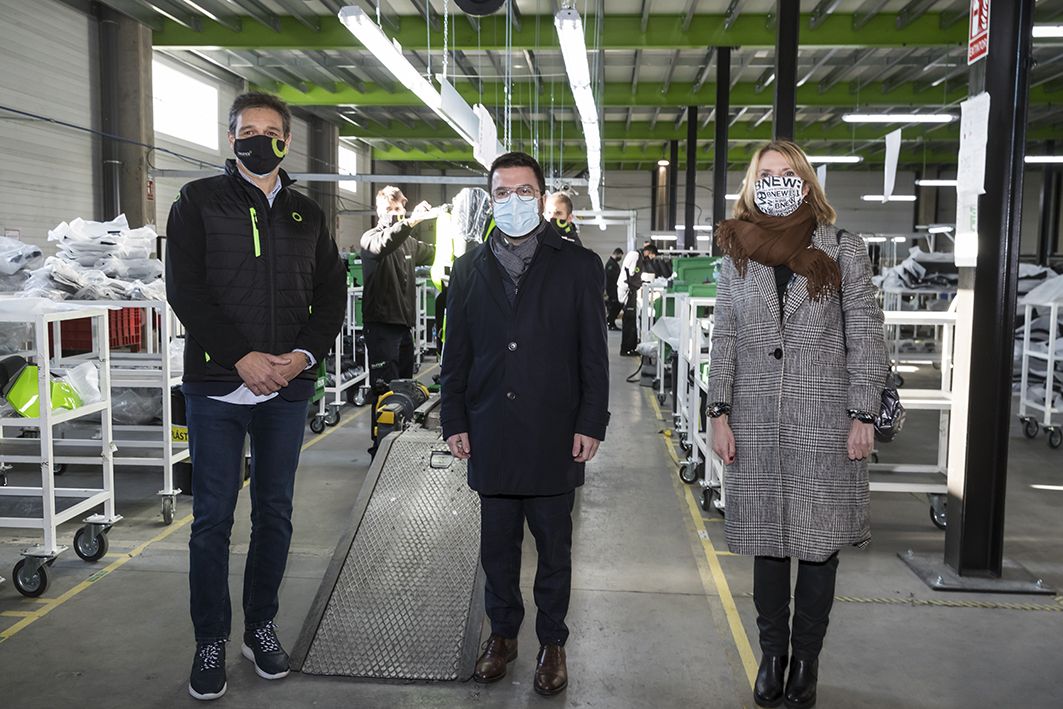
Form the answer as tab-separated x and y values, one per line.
260	154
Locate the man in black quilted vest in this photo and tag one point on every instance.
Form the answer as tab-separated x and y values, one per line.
254	275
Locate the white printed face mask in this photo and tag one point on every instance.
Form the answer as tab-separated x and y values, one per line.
778	196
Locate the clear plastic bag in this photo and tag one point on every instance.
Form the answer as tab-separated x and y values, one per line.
85	378
135	407
16	256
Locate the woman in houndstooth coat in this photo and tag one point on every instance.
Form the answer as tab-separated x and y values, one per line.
798	367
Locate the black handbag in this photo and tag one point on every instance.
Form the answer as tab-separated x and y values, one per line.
891	417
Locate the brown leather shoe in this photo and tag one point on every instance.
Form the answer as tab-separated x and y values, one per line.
551	674
498	652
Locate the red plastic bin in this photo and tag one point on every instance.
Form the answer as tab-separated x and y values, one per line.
126	330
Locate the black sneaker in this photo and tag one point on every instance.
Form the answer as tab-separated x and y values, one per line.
208	671
262	647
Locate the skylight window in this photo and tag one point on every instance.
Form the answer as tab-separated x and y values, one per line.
184	107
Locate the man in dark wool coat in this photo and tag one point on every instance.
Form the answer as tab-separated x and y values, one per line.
525	394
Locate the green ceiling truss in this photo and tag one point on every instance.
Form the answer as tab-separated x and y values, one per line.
536	32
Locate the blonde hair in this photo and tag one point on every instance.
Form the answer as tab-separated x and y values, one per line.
816	198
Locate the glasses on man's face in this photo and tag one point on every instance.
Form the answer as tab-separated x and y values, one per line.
524	192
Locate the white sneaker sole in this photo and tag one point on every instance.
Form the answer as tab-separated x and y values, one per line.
207	697
250	655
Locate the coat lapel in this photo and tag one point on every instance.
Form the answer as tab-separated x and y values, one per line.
824	239
492	276
764	277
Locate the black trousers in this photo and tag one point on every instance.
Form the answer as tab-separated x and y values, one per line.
501	535
613	311
390	354
813	599
629	335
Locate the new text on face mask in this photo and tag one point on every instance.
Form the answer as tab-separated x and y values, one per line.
778	196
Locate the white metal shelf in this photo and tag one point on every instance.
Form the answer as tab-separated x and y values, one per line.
1044	404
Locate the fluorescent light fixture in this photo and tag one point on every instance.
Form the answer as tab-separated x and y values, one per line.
1044	159
1052	488
892	198
697	227
663	163
936	183
941	229
1047	31
900	239
831	159
569	28
664	237
732	197
447	104
704	238
875	239
898	118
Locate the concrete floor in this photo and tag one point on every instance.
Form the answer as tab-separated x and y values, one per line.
648	619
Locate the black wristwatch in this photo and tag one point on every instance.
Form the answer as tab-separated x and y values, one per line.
861	416
718	409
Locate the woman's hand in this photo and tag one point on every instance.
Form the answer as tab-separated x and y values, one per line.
723	439
861	440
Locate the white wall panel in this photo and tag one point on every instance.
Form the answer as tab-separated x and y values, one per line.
47	51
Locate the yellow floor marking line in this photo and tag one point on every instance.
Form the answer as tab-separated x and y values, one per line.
50	605
718	579
18	614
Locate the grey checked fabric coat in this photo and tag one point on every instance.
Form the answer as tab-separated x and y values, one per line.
792	490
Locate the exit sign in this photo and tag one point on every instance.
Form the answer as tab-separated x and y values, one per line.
978	37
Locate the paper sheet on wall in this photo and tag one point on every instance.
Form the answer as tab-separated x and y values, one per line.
893	154
821	175
974	131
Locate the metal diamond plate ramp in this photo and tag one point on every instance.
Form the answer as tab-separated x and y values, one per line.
403	597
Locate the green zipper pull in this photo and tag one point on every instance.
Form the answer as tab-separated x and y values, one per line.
254	232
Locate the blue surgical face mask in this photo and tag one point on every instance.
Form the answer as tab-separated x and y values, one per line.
516	217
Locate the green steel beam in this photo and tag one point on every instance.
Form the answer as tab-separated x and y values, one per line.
650	153
619	32
741	132
619	94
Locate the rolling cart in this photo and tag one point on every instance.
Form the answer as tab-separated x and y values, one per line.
30	575
1045	405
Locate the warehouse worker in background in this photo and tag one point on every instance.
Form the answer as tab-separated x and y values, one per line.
254	276
558	210
525	394
390	252
612	297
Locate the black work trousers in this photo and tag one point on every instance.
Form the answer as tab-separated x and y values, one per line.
813	599
390	350
501	536
613	311
629	335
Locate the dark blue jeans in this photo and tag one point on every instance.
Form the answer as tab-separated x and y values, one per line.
216	433
501	535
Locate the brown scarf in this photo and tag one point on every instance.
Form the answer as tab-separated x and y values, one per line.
775	241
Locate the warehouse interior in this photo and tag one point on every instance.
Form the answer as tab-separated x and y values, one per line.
109	107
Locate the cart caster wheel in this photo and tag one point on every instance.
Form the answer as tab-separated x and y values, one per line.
939	511
169	508
90	549
361	397
58	469
1055	438
1031	429
688	472
332	418
708	496
29	585
661	398
317	424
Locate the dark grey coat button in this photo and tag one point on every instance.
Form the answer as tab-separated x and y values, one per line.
777	354
512	346
511	396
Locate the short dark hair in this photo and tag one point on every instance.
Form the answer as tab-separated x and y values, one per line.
517	159
391	193
257	99
563	199
649	248
618	252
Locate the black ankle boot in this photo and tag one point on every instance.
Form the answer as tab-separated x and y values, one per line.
801	684
768	691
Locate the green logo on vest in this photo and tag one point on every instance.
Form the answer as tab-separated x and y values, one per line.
297	216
